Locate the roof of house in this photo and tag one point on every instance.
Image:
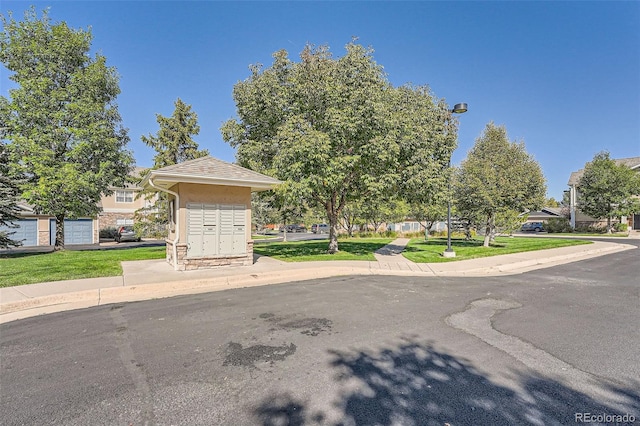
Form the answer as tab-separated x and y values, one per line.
631	162
134	175
211	171
545	213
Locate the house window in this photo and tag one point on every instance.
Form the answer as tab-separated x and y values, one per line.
123	222
124	196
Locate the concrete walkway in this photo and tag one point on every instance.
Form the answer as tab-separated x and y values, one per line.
151	279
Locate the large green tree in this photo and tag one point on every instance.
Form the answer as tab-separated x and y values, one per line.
608	190
497	178
173	143
9	192
336	131
62	121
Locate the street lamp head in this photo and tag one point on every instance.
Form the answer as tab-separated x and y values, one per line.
459	108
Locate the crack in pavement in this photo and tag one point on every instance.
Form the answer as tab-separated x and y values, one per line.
476	320
133	367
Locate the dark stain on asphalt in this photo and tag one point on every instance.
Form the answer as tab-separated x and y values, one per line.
247	357
308	326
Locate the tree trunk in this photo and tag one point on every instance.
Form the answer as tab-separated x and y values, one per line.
488	231
609	230
333	233
59	244
467	231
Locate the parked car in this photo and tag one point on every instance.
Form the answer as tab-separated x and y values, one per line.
294	228
532	226
320	228
126	233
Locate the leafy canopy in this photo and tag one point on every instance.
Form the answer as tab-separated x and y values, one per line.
62	122
607	189
335	131
498	179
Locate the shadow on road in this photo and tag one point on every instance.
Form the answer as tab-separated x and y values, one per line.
414	384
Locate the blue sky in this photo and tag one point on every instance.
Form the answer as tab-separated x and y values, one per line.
564	77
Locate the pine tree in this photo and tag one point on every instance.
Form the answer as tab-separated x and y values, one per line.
9	192
173	144
174	141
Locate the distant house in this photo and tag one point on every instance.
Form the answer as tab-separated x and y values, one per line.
578	218
409	225
544	214
117	209
40	230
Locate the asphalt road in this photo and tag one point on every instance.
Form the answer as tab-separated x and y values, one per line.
535	348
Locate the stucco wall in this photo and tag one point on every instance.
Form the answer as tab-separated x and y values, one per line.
209	194
109	203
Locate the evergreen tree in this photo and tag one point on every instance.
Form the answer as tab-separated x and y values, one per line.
173	144
9	192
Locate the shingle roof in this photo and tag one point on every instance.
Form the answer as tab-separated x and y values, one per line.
214	171
557	211
631	162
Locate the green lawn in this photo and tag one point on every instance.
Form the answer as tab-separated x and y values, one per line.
305	251
591	234
264	237
430	251
30	268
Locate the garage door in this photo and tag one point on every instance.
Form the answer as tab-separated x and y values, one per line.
76	231
27	232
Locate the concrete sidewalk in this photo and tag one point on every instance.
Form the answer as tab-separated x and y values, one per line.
151	279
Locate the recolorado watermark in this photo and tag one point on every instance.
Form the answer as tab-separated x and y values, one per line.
604	418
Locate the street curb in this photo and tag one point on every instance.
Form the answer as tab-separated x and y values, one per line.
528	265
12	311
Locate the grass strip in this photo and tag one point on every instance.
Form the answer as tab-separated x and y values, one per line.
307	251
420	251
30	268
592	234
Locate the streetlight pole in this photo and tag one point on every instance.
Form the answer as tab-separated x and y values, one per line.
457	109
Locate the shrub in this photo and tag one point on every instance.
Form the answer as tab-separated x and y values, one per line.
591	229
454	234
416	234
621	227
557	225
109	232
370	234
147	229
